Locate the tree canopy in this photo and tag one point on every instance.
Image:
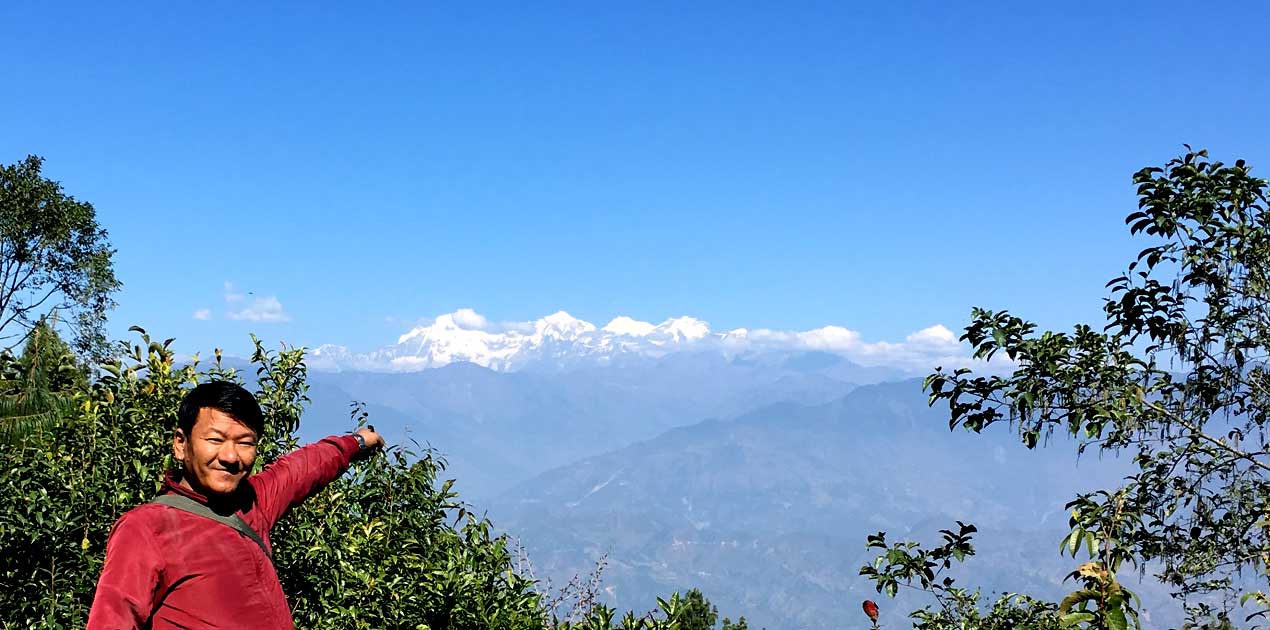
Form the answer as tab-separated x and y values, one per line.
1176	378
54	257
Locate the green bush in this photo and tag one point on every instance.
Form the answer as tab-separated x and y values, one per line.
389	545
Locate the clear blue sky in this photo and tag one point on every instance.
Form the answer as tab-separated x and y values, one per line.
881	167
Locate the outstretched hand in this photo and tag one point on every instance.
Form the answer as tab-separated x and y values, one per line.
374	441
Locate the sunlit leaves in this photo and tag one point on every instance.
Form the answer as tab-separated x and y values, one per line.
1176	377
389	545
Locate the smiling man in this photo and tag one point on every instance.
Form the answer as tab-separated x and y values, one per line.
199	555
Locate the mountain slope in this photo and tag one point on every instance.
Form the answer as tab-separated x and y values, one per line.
499	428
768	513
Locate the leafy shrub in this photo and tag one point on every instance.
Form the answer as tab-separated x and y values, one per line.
388	545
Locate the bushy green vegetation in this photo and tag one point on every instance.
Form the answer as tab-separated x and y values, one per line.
36	386
389	545
1177	378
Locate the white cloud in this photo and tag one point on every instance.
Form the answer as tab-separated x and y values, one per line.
830	338
265	309
919	353
623	325
469	319
935	336
261	309
231	294
203	314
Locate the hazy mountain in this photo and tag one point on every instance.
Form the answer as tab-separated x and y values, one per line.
768	513
499	428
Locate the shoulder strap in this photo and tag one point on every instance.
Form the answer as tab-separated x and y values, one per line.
235	521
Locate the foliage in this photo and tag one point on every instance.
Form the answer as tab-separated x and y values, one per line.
60	494
1177	377
910	565
53	257
387	546
36	387
699	613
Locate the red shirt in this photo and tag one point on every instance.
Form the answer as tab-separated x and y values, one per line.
167	568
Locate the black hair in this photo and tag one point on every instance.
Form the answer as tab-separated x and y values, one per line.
225	396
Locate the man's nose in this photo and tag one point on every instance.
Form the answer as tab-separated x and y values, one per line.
228	454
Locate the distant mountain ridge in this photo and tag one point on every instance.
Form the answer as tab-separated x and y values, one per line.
499	428
561	342
768	512
755	477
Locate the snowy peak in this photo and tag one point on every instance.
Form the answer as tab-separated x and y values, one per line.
561	341
628	327
681	329
563	326
673	330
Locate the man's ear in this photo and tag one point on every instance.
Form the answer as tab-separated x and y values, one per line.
179	442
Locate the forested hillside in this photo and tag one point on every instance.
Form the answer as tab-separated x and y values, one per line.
766	512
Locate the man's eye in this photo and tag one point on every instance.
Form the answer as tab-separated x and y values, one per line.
250	444
215	440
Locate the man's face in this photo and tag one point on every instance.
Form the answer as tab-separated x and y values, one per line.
217	454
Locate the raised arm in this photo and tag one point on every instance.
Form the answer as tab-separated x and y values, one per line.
298	475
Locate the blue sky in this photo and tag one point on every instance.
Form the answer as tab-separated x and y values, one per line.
880	167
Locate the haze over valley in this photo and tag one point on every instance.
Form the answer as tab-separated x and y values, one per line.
679	457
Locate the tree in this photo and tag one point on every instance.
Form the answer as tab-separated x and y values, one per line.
908	564
54	257
48	363
38	387
1177	378
699	613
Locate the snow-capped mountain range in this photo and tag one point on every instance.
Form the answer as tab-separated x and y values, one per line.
561	341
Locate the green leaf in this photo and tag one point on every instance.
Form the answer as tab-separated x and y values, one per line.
1076	618
1116	619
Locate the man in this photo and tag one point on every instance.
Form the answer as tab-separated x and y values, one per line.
200	556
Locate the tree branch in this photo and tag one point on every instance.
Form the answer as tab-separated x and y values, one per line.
7	293
1196	432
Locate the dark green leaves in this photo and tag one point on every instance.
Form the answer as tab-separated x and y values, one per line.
54	258
909	564
1178	375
